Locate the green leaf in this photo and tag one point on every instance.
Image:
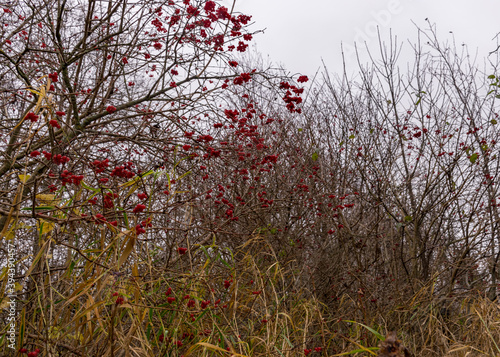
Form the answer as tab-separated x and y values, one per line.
352	136
379	336
281	354
205	251
22	329
315	156
408	218
473	158
184	175
71	267
125	218
89	188
493	121
39	208
371	131
224	262
491	76
201	315
274	231
300	129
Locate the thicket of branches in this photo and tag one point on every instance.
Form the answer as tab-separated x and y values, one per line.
166	196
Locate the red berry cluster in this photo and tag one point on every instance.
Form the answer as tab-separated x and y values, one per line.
123	171
100	166
292	100
99	219
243	78
54	123
31	116
60	159
108	200
53	77
139	208
68	177
119	300
204	304
34	353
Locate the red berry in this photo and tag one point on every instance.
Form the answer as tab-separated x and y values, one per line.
31	116
54	124
302	79
139	208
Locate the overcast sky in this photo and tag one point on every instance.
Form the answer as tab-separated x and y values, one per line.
300	33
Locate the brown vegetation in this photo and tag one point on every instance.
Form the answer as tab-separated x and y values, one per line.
158	198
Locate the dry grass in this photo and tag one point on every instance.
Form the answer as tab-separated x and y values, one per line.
252	311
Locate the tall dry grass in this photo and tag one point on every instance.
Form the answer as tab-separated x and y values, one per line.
217	302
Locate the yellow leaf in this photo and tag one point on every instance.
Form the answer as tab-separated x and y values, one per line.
36	259
10	234
22	225
132	190
130	182
40	99
214	348
89	308
45	226
45	198
24	178
128	249
33	91
54	332
5	303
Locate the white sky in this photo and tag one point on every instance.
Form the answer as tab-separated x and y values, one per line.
300	33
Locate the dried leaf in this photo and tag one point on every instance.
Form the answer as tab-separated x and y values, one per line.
24	178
